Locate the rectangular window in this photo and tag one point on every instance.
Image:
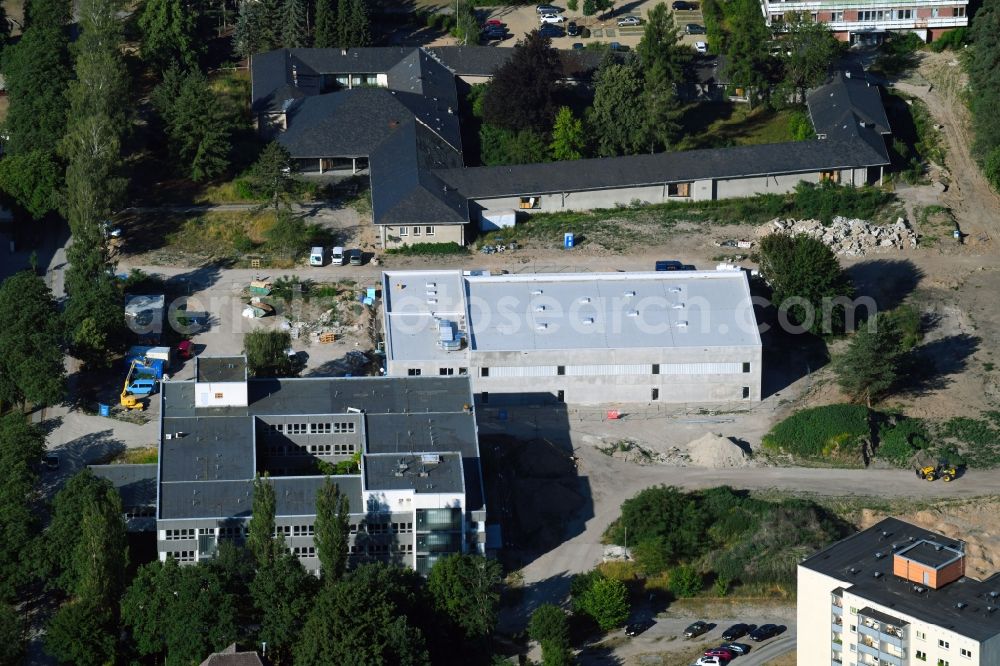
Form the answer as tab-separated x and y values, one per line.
486	397
943	643
183	555
746	367
343	426
942	662
921	635
463	371
966	653
656	368
829	176
446	371
404	231
904	14
836	17
655	394
413	372
922	656
934	13
959	11
416	231
679	190
560	370
484	372
746	392
176	535
320	428
777	18
218	396
428	231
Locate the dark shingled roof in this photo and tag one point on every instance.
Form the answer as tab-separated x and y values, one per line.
939	607
845	105
639	170
231	656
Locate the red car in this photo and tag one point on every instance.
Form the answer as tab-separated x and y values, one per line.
721	653
498	23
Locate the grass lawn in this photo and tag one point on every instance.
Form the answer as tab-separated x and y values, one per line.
720	124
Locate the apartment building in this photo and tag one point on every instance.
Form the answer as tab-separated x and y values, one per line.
869	21
417	496
583	338
896	595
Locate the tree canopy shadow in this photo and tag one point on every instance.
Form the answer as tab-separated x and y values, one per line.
75	455
887	281
932	365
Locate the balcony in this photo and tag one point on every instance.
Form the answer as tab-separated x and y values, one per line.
869	650
838	646
838	610
837	627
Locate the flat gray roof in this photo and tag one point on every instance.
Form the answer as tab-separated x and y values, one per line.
207	465
930	553
135	483
220	368
422	473
567	311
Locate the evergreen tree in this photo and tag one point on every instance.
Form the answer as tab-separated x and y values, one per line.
11	635
749	62
197	124
269	175
325	34
660	46
295	24
168	29
21	446
343	31
332	529
661	124
871	365
31	364
358	27
568	139
246	34
260	532
984	84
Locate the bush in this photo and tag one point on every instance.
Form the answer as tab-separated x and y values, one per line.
800	127
428	248
289	234
572	5
953	39
685	582
826	200
606	602
819	432
900	438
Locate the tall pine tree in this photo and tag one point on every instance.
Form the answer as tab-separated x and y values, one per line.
295	24
331	525
326	32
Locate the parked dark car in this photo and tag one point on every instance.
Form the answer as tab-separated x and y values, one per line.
683	5
551	31
694	29
572	29
669	265
638	627
765	631
696	629
736	631
495	33
615	46
547	9
737	648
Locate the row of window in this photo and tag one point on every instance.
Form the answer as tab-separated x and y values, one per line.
179	534
876	15
382	528
561	369
182	555
426	231
343	448
303	551
381	548
320	428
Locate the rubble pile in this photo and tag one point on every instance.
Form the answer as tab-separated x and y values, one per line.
850	237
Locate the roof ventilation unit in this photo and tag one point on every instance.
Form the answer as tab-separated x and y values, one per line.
585	299
431	285
879	555
682	324
961	605
588	320
536	292
853	570
430	458
878	574
675	290
633	313
542	327
539	308
629	294
678	306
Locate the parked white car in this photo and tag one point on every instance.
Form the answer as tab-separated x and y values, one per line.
701	47
551	18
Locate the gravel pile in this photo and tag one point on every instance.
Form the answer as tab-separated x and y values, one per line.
713	450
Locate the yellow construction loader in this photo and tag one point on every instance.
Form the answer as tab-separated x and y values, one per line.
942	470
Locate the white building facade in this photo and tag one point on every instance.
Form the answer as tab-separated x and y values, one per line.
868	21
589	338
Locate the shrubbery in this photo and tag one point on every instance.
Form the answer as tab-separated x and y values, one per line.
953	39
827	200
820	431
900	438
428	248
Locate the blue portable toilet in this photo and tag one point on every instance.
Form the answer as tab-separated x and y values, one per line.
568	239
104	410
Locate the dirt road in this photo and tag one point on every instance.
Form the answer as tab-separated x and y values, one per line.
969	196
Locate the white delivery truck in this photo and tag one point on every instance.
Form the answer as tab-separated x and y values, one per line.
316	256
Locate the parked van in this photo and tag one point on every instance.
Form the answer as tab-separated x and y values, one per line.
316	256
337	256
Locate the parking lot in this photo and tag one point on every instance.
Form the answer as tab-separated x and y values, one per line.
603	28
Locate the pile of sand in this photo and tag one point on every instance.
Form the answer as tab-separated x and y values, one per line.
713	450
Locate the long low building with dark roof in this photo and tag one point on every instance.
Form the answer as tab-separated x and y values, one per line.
392	113
416	495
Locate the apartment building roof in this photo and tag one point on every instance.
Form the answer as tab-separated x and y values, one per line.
135	483
863	564
220	368
208	456
422	473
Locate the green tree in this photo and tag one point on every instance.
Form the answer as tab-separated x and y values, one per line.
63	534
197	124
83	632
685	581
520	94
568	138
589	7
661	125
101	553
32	180
618	113
748	58
288	235
266	353
667	517
660	45
326	30
501	146
466	589
295	24
806	281
283	592
550	627
364	619
21	446
46	13
11	635
984	84
332	527
260	532
247	38
179	613
358	25
169	34
606	602
36	118
31	363
871	364
269	176
808	50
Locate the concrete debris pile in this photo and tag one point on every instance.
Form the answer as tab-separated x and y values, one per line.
850	237
716	451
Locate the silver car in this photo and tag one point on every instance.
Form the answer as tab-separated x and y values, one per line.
629	20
